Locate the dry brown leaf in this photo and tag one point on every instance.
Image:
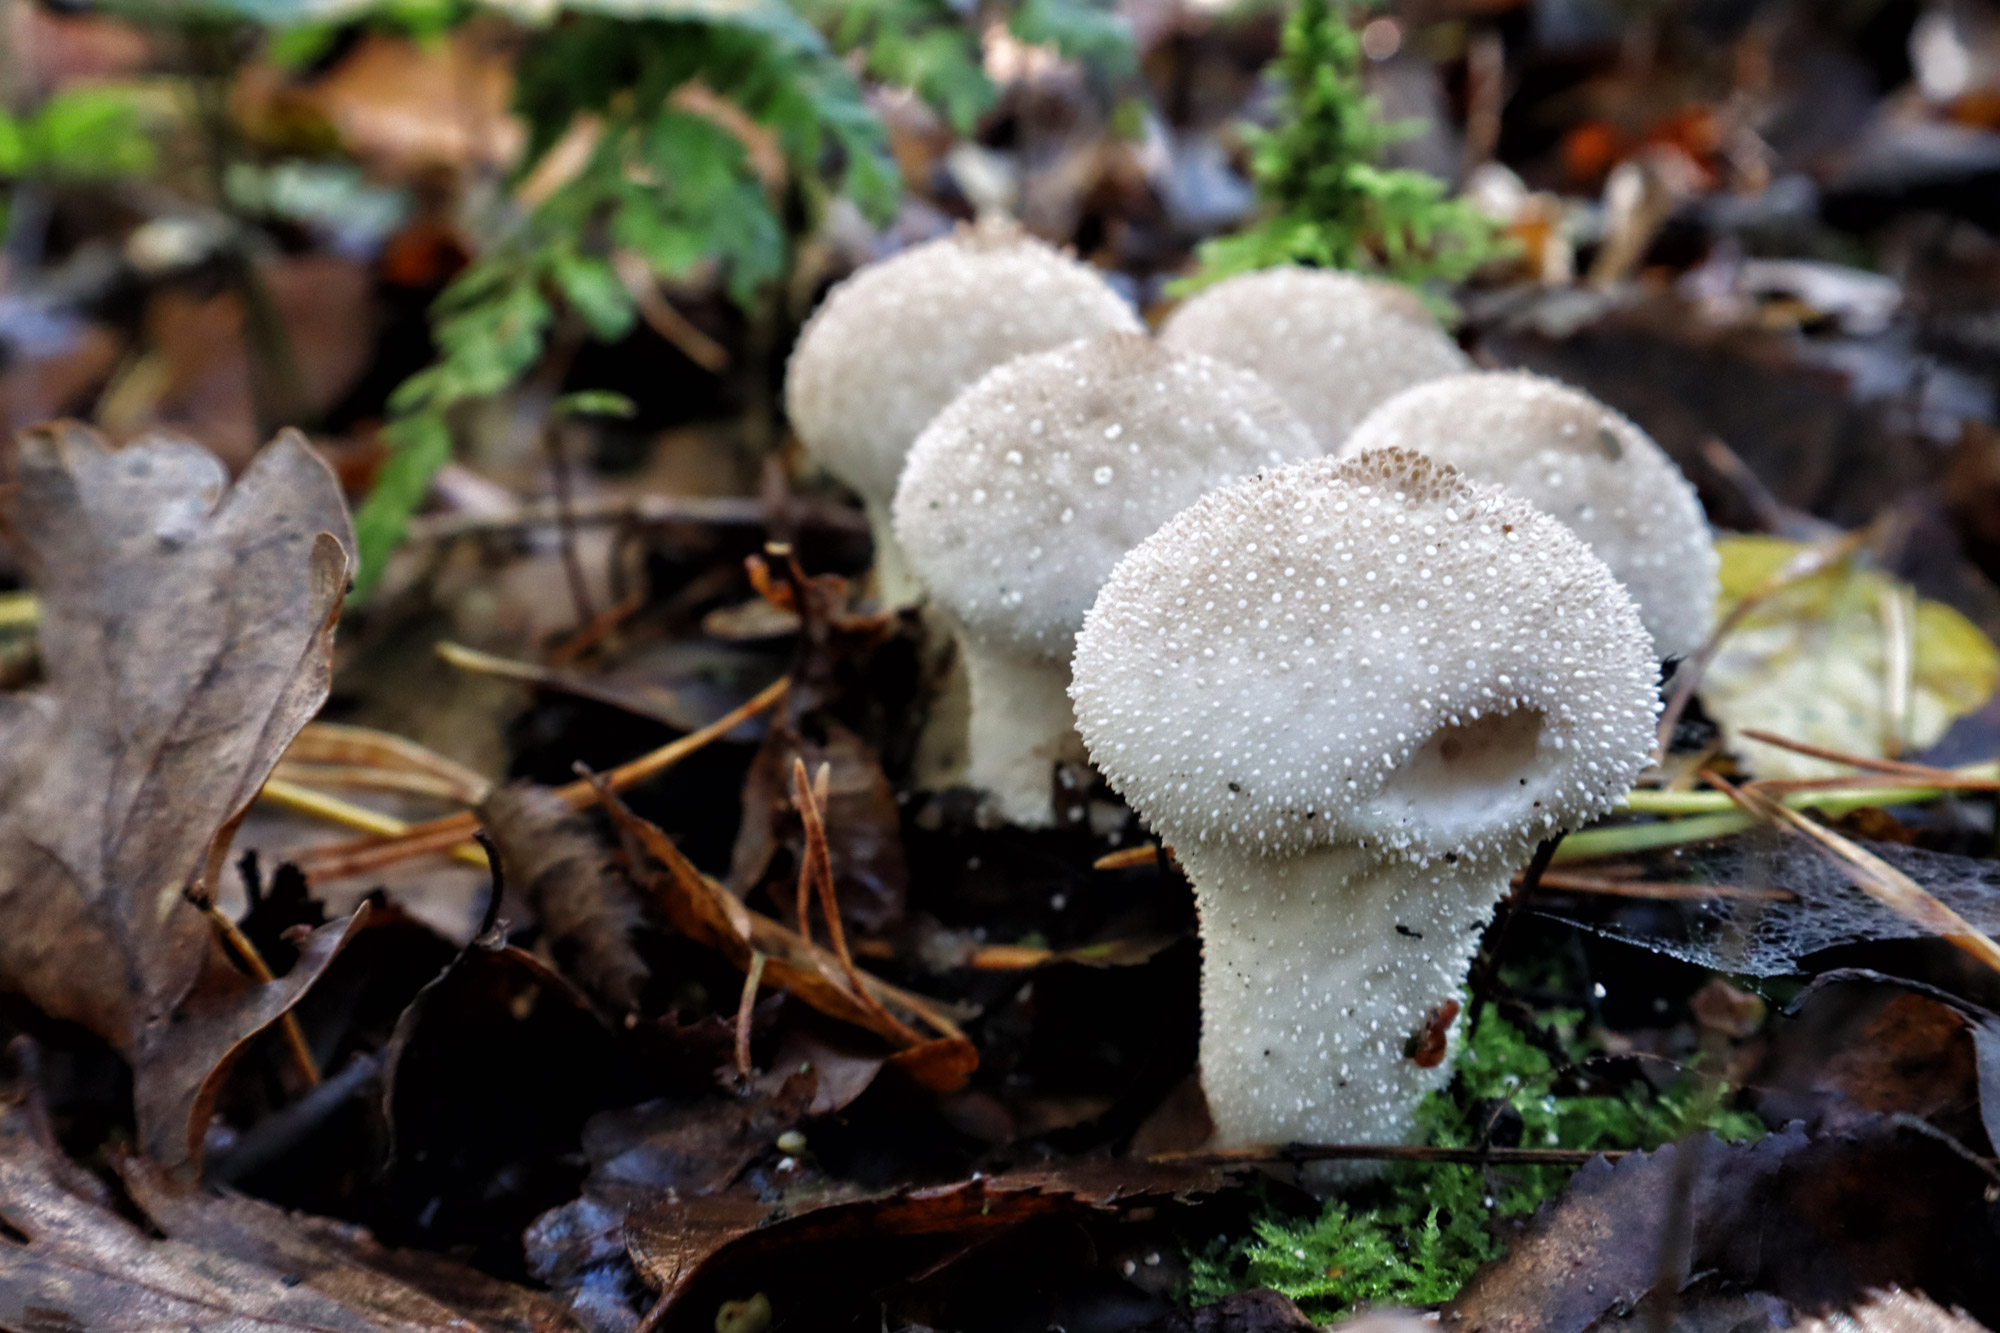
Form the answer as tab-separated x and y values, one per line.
228	1263
585	904
186	627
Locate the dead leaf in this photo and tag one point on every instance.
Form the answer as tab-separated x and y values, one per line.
77	1264
192	1056
71	1261
1814	1221
585	904
688	1247
339	1261
1830	660
863	823
186	627
706	912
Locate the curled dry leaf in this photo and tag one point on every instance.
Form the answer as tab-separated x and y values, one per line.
186	627
582	900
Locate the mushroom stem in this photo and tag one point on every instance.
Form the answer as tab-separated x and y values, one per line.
896	585
1322	975
1021	728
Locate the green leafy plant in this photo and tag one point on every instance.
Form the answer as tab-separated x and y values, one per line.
84	133
670	177
1327	200
1415	1235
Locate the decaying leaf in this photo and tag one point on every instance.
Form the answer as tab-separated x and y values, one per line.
687	1248
1848	659
1815	1221
583	902
226	1262
186	626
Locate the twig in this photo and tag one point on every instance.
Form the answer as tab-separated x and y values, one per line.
728	511
659	313
398	841
1560	882
559	478
746	1008
1395	1152
817	865
1942	777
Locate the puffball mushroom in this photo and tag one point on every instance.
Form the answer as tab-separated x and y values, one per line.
1582	462
1020	497
1352	696
1334	345
891	345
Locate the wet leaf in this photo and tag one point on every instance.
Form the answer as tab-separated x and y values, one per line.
1814	1221
186	627
1814	663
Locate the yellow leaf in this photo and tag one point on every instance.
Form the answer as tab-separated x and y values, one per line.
1816	662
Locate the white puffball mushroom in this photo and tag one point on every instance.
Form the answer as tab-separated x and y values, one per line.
1352	696
1334	345
1020	497
895	342
1582	462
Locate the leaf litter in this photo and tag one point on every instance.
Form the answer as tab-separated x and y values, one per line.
755	1036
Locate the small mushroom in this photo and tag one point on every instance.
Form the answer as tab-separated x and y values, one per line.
1578	460
1352	696
1022	495
894	343
1332	344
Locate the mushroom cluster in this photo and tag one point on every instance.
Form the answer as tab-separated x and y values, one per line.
894	343
1334	345
1581	462
1352	696
1017	501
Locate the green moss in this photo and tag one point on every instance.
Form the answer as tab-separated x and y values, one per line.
1414	1235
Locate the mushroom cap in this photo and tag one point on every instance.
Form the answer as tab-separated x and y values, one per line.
1024	492
895	342
1580	461
1373	651
1332	344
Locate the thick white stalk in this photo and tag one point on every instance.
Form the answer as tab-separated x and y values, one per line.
1021	728
896	584
1320	973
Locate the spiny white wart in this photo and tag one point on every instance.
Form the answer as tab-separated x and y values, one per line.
1020	497
891	345
1334	345
1352	697
1582	462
